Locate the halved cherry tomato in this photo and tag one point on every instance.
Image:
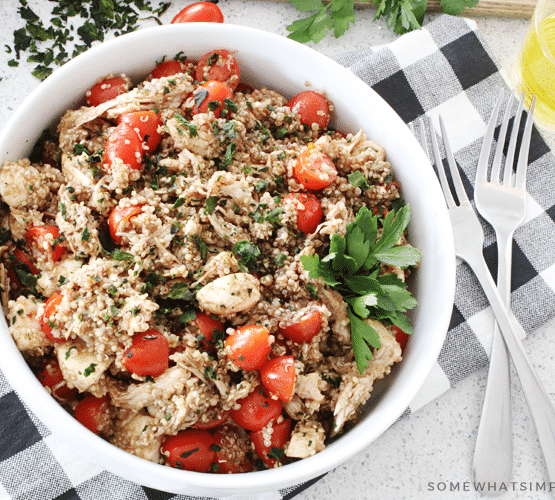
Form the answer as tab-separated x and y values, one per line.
119	216
106	90
207	325
305	329
46	239
271	454
210	96
216	418
248	347
400	336
314	169
278	377
170	68
145	124
309	211
124	144
312	107
203	12
218	65
189	450
256	410
92	412
50	307
52	378
20	260
228	458
149	354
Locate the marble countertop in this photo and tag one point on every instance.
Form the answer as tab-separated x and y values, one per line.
429	454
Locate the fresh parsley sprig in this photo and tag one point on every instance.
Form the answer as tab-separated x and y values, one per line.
354	267
338	15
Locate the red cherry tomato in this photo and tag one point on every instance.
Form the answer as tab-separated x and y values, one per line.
270	454
189	450
207	325
210	96
228	459
119	216
256	410
248	347
309	211
106	90
200	12
145	124
20	259
170	68
92	412
278	377
219	65
23	258
149	354
314	169
46	324
400	336
218	417
312	107
46	239
124	144
51	377
305	329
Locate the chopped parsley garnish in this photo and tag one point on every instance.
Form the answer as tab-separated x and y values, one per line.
247	254
354	267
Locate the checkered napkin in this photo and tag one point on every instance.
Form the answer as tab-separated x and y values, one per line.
442	69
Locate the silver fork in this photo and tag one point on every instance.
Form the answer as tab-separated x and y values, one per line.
502	204
469	240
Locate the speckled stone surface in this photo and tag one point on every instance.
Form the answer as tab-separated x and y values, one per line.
429	454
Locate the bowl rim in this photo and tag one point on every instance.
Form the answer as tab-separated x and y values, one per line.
60	422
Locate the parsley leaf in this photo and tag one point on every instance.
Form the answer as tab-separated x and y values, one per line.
356	267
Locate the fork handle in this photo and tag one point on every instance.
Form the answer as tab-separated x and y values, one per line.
493	453
539	402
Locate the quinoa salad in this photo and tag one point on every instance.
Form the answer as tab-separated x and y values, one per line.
181	267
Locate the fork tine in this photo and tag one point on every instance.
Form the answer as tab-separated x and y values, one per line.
454	169
483	160
510	158
422	139
441	169
522	164
496	165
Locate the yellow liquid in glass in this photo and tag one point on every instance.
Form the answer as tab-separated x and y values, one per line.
535	73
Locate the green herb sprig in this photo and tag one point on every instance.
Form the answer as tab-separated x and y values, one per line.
354	268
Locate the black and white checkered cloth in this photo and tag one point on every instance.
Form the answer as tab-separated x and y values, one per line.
442	69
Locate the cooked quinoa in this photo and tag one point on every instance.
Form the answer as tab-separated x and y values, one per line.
212	186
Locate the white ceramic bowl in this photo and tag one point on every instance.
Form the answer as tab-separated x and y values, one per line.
287	66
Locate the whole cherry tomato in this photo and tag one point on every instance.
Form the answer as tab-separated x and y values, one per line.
248	347
312	108
219	65
314	169
256	410
119	216
145	124
309	211
305	329
203	12
92	412
124	144
272	453
50	307
52	378
106	90
170	68
278	377
149	354
210	96
190	449
46	239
